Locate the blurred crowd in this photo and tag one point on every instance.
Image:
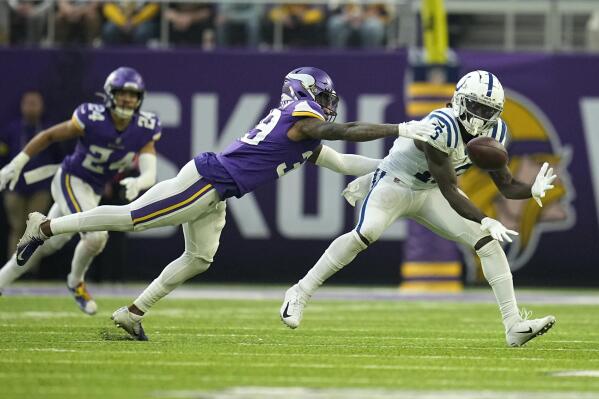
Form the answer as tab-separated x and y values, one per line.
206	25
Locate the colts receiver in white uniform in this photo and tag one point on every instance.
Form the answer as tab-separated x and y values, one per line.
408	163
403	186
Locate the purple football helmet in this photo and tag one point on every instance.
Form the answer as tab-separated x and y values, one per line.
309	83
123	78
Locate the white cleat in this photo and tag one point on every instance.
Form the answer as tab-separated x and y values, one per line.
293	306
525	330
123	319
31	239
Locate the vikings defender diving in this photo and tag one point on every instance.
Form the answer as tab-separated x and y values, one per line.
418	180
281	142
109	135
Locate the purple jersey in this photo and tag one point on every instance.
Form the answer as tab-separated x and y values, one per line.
103	151
263	154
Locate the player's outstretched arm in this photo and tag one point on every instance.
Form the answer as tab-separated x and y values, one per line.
313	128
442	171
508	186
61	132
9	175
514	189
347	164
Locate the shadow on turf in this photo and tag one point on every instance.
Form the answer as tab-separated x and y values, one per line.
110	335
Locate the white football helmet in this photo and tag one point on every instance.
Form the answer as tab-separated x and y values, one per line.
477	101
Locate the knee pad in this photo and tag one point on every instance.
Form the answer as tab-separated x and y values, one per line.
370	233
490	248
344	249
197	263
182	269
95	242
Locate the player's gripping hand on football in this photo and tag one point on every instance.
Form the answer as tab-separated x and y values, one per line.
9	175
542	183
497	230
417	130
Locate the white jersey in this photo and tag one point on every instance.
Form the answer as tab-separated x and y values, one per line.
408	163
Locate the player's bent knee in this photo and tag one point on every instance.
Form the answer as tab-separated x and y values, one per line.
482	242
489	248
95	242
197	264
362	241
368	234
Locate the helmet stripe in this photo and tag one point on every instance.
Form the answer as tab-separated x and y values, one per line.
503	130
490	84
494	131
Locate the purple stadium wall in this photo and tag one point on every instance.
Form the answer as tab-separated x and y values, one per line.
207	99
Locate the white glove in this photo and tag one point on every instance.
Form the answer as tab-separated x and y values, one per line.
496	229
542	183
417	130
357	189
9	175
131	185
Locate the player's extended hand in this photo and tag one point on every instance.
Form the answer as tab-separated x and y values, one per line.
497	230
131	187
542	183
417	130
357	189
9	175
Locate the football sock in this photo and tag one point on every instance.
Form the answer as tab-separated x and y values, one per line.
90	246
102	218
175	274
341	252
497	272
11	271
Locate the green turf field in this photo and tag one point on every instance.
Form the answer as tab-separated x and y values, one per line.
198	348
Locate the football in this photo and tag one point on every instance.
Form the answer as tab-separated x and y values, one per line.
487	153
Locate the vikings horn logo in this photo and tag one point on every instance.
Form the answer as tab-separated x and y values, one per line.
532	141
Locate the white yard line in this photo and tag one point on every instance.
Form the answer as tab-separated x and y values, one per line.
315	365
306	393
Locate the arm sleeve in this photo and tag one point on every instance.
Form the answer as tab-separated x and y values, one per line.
147	171
347	164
